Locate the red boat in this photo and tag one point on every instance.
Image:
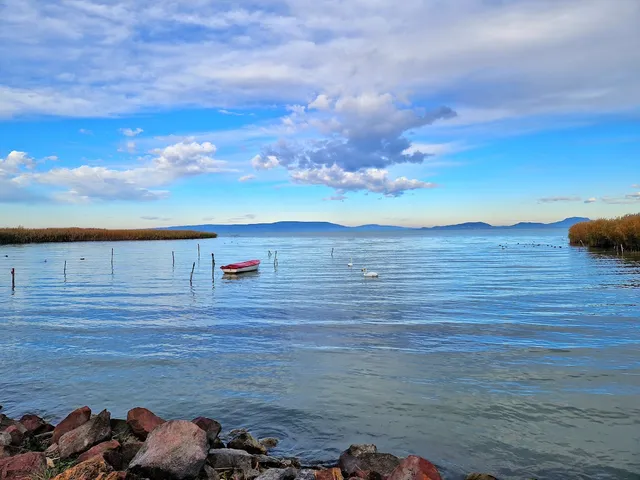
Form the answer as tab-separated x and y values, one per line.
241	267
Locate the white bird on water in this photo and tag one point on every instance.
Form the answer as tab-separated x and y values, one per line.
350	264
369	274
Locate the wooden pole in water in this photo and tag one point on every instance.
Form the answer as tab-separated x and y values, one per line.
332	252
65	268
213	260
173	257
112	259
192	269
13	279
198	250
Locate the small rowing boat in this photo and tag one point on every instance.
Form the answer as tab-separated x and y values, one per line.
241	267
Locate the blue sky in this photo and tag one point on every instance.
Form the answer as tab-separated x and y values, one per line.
145	113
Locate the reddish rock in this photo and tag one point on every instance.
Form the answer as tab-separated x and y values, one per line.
35	425
74	420
16	435
211	427
95	431
175	450
99	449
22	467
415	468
329	474
93	469
113	476
143	421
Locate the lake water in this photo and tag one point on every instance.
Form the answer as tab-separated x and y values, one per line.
521	361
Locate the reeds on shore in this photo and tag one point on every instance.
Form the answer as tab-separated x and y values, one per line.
52	235
622	232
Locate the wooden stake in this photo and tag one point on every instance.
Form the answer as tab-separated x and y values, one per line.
13	279
332	252
213	260
198	250
192	269
65	268
173	256
112	259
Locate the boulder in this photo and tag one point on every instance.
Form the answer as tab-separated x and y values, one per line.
22	467
174	450
480	476
35	425
244	441
5	422
99	450
75	419
278	474
5	439
361	466
348	459
128	451
269	443
328	474
210	473
143	421
306	474
217	443
210	426
16	434
92	469
229	458
415	468
121	429
53	451
275	462
79	440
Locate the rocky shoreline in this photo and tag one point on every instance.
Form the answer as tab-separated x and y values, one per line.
86	446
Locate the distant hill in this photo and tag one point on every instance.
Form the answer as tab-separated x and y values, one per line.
324	227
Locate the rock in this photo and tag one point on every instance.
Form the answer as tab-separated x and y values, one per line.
93	469
244	441
98	450
221	458
43	440
17	436
382	464
79	440
121	429
22	467
210	473
5	422
5	439
415	468
72	421
480	476
53	451
269	443
143	421
306	474
174	450
274	462
217	443
328	474
35	425
211	427
128	451
278	474
348	459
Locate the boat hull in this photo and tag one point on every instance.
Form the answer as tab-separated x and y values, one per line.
242	267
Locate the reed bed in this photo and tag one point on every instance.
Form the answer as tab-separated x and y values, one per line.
52	235
622	232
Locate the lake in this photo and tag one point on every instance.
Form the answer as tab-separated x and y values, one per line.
521	361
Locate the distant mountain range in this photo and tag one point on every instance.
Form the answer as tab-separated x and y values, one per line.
325	227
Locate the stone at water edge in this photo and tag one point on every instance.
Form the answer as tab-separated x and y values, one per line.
75	419
99	450
415	468
306	474
5	439
328	474
120	428
480	476
35	425
244	441
22	467
381	464
210	426
348	459
278	474
17	436
81	439
229	458
175	450
88	470
269	443
128	451
143	421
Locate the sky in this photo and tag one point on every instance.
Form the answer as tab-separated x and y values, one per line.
145	113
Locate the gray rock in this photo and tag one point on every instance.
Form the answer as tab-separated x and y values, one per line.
278	474
210	426
5	439
81	439
381	463
232	459
269	442
480	476
306	474
244	441
175	450
348	459
274	462
209	473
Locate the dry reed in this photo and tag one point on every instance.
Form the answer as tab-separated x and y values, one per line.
51	235
608	233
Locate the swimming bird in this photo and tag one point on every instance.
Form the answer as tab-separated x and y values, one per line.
350	264
369	274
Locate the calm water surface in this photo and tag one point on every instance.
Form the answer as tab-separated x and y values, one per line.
523	361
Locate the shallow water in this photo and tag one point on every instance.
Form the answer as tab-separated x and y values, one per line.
523	361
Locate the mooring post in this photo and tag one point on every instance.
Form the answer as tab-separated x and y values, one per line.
198	250
213	260
13	279
112	259
65	268
192	269
173	257
332	252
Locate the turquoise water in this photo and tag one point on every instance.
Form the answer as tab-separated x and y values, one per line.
522	361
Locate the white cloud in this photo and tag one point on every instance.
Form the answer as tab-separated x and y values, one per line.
128	132
371	179
14	162
335	198
591	200
322	102
559	199
129	147
154	218
635	186
84	131
634	196
51	158
87	183
264	162
228	112
246	178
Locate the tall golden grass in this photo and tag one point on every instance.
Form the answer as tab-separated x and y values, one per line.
608	233
50	235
